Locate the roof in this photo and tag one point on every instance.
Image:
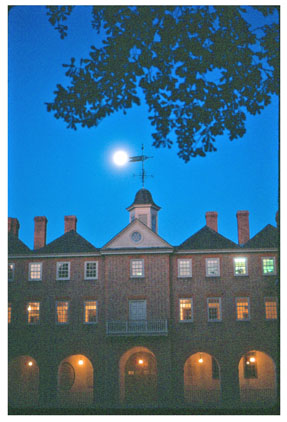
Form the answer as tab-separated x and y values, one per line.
70	242
207	238
268	237
16	246
143	197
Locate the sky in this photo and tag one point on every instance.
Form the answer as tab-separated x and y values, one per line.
54	171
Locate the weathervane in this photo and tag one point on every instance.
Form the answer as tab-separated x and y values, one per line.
141	158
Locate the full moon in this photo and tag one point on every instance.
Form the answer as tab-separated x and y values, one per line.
120	158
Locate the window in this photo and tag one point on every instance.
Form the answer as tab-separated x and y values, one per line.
268	266
63	270
137	310
9	313
33	310
214	309
90	312
35	271
212	267
240	266
242	309
184	267
270	308
250	366
11	269
91	270
185	310
62	312
137	268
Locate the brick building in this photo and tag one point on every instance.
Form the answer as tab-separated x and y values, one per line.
141	323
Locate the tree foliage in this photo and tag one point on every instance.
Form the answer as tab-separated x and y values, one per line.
199	69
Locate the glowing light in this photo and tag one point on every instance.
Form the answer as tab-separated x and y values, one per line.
81	362
140	362
247	363
29	308
30	363
120	158
200	360
252	359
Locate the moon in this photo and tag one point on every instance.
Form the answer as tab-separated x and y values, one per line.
120	158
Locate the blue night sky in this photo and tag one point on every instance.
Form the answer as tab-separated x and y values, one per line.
54	171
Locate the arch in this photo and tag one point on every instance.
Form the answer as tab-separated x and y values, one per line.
138	376
23	382
202	384
257	379
75	381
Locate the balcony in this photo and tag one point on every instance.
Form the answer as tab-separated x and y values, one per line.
137	328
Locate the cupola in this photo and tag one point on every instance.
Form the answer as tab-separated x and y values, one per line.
144	209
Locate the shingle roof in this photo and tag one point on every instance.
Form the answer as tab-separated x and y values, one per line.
16	246
266	238
206	238
70	242
143	197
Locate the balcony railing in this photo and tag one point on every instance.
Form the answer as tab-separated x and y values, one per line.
137	328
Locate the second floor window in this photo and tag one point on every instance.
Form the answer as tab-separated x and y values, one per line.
33	310
242	309
11	269
137	268
90	312
185	310
240	266
212	267
91	270
63	270
214	309
62	312
184	268
270	308
268	266
9	313
35	271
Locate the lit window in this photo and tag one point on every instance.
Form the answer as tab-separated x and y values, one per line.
212	267
11	269
184	267
250	366
240	266
33	310
63	270
9	313
91	270
185	310
91	315
270	308
62	312
242	309
35	271
137	268
268	266
214	309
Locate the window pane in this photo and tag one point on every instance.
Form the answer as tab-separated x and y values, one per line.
63	270
10	272
33	312
185	310
137	310
184	267
268	265
214	313
90	312
212	266
137	268
91	270
35	271
242	309
240	266
270	309
62	312
9	313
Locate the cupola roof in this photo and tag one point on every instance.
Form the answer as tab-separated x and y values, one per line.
143	197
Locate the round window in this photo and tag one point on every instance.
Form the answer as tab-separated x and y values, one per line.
136	236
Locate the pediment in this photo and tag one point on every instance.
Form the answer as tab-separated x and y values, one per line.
136	235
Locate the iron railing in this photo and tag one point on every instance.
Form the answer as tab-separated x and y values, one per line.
142	327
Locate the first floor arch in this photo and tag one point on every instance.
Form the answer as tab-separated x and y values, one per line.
23	382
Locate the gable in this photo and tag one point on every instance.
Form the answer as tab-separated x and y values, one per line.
207	238
137	235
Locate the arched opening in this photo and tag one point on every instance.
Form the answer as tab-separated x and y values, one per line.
138	377
202	380
257	379
23	382
75	381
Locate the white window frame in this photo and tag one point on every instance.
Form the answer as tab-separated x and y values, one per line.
206	267
181	260
56	316
271	299
85	303
86	277
131	268
274	261
13	271
209	299
184	321
58	266
30	265
236	301
34	323
246	264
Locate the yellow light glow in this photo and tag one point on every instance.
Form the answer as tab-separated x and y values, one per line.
120	158
200	360
252	359
81	362
29	308
30	363
140	361
247	363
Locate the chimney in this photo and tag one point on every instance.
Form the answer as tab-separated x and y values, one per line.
70	223
40	231
243	226
13	226
211	220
